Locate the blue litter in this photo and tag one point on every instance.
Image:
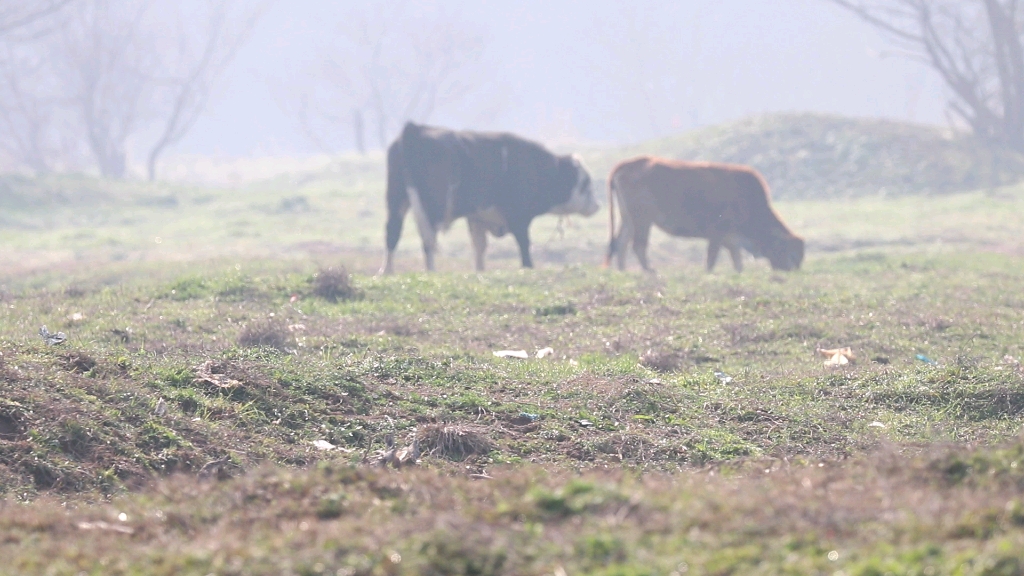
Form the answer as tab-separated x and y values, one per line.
528	416
925	359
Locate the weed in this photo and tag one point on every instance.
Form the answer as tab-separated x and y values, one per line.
265	333
334	284
453	442
79	362
663	360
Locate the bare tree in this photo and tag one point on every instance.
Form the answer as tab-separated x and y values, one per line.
199	59
26	110
105	61
976	47
135	67
33	127
394	61
19	14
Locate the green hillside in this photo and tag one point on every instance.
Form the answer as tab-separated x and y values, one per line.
819	156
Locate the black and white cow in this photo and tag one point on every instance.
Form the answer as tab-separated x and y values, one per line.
498	182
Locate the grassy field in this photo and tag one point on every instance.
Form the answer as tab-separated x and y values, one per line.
225	393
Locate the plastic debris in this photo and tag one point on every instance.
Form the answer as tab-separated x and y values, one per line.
105	526
51	338
323	445
545	352
837	357
161	407
585	423
925	359
521	354
524	419
876	424
723	377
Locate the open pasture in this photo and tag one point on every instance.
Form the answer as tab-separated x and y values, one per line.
229	390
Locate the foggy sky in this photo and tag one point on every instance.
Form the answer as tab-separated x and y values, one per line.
560	70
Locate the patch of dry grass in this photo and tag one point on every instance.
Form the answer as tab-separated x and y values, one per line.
265	333
454	441
935	512
334	284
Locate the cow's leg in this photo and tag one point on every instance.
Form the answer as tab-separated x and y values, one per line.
714	245
640	238
428	233
478	233
732	244
521	231
737	257
397	209
429	237
429	249
397	199
620	245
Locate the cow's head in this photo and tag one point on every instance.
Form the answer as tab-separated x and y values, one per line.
581	197
785	251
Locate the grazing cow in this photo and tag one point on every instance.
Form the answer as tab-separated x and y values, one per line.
498	182
727	204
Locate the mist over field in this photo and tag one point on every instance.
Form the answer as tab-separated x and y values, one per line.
288	78
220	352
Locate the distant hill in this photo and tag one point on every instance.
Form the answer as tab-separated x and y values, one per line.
822	156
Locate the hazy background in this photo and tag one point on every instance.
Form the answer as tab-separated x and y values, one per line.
295	79
576	70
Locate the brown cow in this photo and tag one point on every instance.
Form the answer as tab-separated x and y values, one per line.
725	203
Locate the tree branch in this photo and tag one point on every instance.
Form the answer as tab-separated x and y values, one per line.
12	19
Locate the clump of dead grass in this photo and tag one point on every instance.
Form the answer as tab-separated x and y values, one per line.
334	284
265	333
453	441
661	360
78	362
219	374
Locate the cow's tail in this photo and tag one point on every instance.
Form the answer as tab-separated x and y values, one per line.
611	221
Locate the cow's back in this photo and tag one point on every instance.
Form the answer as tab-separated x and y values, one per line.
692	199
461	173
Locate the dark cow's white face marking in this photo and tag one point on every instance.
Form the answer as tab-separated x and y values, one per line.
581	199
